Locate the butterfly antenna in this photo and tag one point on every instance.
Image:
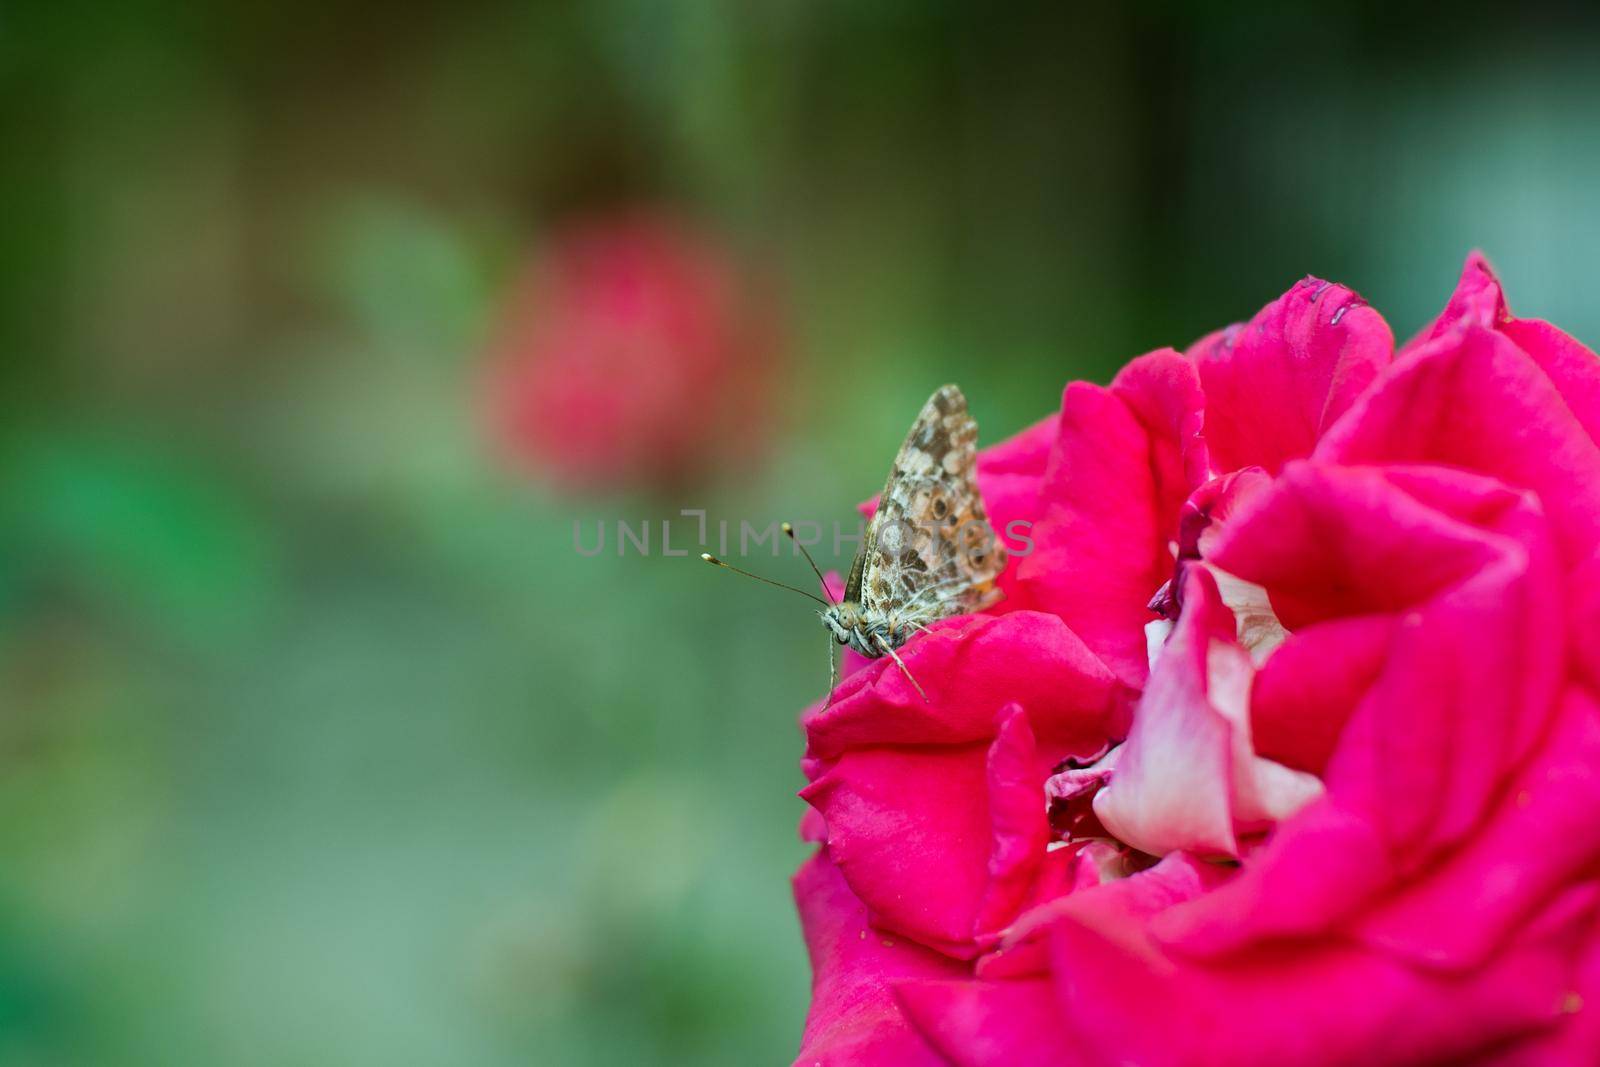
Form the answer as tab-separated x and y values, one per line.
898	662
789	530
709	558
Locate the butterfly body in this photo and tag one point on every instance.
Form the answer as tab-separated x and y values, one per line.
853	627
928	552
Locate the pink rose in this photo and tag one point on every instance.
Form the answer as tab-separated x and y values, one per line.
1287	746
633	354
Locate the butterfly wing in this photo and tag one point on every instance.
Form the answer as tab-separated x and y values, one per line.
929	551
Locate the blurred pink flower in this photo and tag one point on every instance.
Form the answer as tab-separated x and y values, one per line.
1288	748
634	354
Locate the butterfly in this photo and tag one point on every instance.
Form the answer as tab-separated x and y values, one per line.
929	551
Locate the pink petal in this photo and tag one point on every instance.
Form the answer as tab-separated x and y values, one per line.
1187	777
1164	393
854	1018
1069	794
1126	459
898	818
1570	366
1466	688
1477	300
991	1024
1009	477
813	827
1472	399
1320	1003
1306	691
1319	866
1330	542
1472	670
1170	787
1071	869
1017	821
970	668
1469	685
1024	453
1583	592
964	824
1575	1039
1121	903
1542	837
1276	383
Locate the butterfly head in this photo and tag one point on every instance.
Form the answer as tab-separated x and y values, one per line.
851	625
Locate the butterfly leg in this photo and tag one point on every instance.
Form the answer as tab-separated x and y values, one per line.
898	662
833	672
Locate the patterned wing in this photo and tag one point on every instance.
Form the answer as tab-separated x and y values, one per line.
929	551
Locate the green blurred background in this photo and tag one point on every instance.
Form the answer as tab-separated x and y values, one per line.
320	744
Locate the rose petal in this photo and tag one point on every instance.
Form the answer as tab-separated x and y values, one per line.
990	1024
1170	787
1274	384
1477	300
1466	688
1127	900
1541	837
1319	865
1583	591
1472	399
1125	460
1576	1037
1330	542
1570	366
1307	689
1187	777
1017	821
970	668
854	1018
964	823
1307	1004
900	818
1472	670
